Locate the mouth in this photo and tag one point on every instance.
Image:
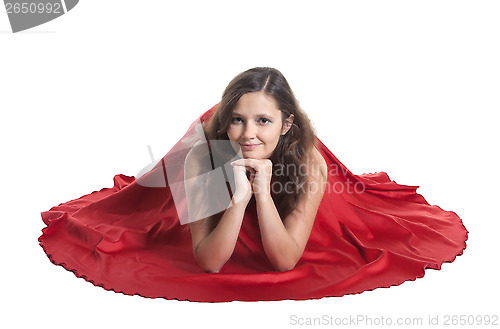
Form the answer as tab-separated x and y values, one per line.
249	146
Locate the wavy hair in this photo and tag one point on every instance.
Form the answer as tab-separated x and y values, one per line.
292	149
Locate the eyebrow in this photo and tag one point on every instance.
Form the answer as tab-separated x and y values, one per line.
258	115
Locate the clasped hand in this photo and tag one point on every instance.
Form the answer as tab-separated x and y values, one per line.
257	182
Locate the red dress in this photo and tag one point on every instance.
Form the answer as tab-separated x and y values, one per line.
129	239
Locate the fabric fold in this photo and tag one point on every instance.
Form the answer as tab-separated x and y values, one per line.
369	232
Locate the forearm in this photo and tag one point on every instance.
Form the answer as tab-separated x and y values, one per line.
281	249
217	247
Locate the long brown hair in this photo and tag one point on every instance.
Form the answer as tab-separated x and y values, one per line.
293	148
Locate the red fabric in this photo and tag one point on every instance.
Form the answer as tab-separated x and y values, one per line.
128	239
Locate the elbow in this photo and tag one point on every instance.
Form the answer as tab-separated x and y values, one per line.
209	266
209	263
210	269
285	266
286	261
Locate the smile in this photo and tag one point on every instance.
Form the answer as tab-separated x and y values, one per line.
249	146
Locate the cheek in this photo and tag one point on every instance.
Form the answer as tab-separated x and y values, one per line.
271	137
232	133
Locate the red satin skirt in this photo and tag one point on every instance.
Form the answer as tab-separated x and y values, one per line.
128	239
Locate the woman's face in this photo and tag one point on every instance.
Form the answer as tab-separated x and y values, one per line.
256	125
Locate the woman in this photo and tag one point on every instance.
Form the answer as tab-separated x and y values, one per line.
259	114
253	186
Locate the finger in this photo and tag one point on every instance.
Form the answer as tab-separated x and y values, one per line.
239	169
239	162
253	163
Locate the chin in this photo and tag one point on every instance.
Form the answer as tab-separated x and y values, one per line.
249	155
255	155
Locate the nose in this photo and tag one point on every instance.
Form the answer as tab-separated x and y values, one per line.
249	131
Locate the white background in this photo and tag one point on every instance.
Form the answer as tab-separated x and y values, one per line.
406	87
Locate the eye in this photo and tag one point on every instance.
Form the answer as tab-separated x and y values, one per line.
264	121
236	120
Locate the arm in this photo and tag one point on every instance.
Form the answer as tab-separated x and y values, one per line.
284	241
213	246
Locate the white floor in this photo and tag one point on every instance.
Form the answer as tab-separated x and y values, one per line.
410	88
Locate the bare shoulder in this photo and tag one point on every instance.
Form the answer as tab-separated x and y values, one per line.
197	153
318	167
315	183
300	221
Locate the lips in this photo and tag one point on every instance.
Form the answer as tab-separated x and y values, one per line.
249	146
